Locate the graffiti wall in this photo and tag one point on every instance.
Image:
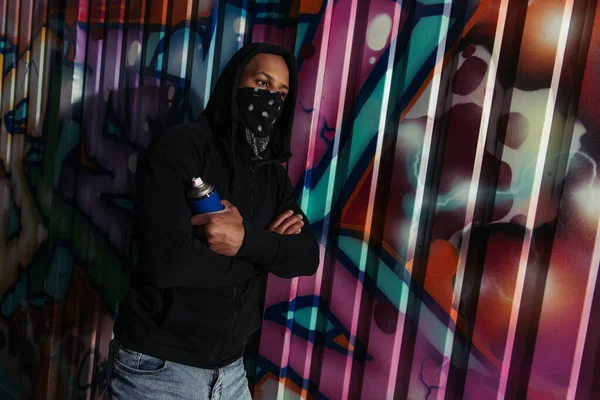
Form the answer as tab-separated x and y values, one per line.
446	153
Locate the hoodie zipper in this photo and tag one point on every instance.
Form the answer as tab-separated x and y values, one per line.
235	293
235	289
251	188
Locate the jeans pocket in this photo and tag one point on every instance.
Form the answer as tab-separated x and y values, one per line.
137	363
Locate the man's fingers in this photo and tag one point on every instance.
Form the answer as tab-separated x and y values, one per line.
203	219
288	223
275	224
200	219
293	229
227	205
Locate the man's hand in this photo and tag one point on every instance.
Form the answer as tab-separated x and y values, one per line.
287	224
222	231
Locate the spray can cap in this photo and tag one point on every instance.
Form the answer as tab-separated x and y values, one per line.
197	182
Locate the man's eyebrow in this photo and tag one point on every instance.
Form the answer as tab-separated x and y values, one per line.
272	79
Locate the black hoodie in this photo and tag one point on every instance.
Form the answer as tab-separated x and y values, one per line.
186	303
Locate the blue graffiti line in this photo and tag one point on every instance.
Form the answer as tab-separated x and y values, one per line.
14	219
16	119
298	316
8	49
264	366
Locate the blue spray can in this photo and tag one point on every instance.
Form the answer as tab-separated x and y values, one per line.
203	197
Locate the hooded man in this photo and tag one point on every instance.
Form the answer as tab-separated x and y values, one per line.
195	297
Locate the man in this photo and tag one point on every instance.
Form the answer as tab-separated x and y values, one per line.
194	298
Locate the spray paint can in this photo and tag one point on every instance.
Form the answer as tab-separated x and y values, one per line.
203	197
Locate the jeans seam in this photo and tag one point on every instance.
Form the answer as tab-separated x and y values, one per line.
110	374
216	391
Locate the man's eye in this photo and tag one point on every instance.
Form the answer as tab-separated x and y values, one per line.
262	83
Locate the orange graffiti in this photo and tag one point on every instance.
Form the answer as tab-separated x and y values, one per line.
442	264
262	387
305	7
342	340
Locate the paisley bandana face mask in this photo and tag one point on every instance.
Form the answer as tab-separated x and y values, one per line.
260	109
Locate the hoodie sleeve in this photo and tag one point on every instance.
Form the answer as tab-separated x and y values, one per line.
170	254
287	256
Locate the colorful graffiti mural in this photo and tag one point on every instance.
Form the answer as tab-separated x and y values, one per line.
445	152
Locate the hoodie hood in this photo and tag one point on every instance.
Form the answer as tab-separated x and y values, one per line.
222	112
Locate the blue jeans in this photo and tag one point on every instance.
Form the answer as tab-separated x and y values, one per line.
134	375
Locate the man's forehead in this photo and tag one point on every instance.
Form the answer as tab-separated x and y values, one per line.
266	61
